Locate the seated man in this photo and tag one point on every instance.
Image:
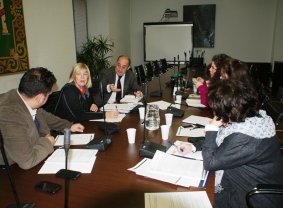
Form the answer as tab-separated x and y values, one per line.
25	127
119	81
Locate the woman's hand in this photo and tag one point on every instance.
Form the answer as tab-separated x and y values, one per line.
185	148
111	114
93	108
216	122
198	81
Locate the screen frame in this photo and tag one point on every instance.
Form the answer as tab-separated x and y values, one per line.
182	57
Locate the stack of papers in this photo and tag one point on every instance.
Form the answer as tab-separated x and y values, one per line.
81	160
130	99
197	120
194	103
121	107
117	119
171	169
190	132
163	105
76	139
193	199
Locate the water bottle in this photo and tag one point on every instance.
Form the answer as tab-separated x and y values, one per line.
152	118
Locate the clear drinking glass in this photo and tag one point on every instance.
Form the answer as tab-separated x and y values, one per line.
152	118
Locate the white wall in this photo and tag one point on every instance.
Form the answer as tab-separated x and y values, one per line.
278	37
50	39
244	29
111	18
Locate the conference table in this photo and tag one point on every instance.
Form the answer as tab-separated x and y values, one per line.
109	184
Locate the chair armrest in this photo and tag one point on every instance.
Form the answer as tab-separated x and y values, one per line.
264	189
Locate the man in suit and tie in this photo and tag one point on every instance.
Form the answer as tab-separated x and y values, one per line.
119	81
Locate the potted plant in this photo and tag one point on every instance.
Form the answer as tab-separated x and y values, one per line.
95	53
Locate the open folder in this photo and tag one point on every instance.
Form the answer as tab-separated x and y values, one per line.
172	169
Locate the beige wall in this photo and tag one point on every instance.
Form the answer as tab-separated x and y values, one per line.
50	39
111	18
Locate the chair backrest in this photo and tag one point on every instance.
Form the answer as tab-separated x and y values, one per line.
50	105
157	69
276	189
141	77
149	71
164	65
274	111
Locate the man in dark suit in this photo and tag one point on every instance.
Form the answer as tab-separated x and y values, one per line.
119	81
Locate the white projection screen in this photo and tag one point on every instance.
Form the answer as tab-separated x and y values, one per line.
167	40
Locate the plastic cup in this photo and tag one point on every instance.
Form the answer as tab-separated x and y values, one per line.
168	118
165	131
141	112
178	99
131	132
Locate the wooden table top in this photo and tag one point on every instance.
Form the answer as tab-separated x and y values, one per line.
109	184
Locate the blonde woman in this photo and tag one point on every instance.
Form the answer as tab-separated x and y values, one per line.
76	103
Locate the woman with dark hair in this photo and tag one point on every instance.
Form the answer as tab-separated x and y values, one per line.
214	74
240	145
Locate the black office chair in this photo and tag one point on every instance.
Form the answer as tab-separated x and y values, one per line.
149	71
273	111
49	106
276	189
141	76
157	68
7	168
164	65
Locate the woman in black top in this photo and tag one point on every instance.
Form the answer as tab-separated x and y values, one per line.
76	103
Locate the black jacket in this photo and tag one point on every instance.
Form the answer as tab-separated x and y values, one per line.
74	106
246	162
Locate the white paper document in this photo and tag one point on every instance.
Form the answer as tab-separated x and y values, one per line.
190	132
119	118
197	120
78	160
130	99
172	169
193	199
76	139
194	103
163	105
120	107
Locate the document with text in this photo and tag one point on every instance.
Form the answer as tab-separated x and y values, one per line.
193	199
76	139
78	160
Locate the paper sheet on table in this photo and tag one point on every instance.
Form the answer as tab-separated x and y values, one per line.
176	166
190	132
197	120
119	118
163	105
78	160
192	155
196	96
194	103
76	139
193	199
130	99
121	107
142	169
